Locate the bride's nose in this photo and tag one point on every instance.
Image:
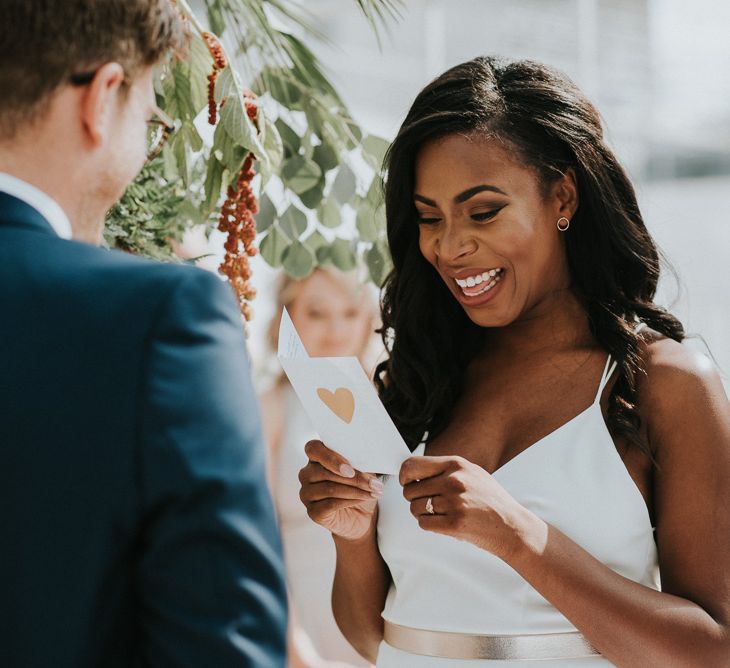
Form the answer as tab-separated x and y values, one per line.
454	244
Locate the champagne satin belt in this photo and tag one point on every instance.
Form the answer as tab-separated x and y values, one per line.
448	645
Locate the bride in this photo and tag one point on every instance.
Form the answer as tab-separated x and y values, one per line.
570	453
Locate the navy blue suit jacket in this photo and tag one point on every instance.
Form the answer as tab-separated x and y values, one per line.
135	525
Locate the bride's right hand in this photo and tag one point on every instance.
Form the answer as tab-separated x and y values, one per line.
338	497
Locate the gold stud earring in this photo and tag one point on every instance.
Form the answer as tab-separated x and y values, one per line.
563	224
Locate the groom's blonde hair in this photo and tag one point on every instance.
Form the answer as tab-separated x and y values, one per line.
44	43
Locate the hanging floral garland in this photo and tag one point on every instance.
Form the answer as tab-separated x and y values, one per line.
237	216
322	192
237	220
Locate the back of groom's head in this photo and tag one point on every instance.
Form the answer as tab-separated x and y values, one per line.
45	43
77	101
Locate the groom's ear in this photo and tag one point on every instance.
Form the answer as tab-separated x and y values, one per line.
99	103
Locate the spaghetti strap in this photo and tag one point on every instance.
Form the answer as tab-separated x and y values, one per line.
607	373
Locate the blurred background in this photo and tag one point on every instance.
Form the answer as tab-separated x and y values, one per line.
658	70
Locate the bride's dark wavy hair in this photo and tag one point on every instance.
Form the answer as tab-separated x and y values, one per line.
613	261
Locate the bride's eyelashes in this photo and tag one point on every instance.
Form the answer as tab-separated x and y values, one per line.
478	216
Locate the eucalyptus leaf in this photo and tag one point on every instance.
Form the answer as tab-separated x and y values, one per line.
213	183
215	17
291	140
373	150
315	241
274	151
329	214
323	255
192	137
378	262
375	192
266	215
279	83
225	85
300	174
273	245
227	151
342	255
293	221
366	224
197	66
326	157
312	197
178	96
181	158
170	167
345	184
239	126
352	133
298	260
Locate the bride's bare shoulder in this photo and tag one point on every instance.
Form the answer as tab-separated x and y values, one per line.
680	393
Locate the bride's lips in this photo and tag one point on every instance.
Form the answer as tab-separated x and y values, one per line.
474	287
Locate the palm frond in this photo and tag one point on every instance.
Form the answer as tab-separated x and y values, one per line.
379	13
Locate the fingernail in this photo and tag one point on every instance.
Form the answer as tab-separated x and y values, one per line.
376	495
346	471
376	485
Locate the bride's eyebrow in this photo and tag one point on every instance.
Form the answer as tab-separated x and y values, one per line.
464	196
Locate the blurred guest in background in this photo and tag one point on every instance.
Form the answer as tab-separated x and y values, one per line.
335	316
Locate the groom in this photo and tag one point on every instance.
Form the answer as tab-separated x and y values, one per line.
135	527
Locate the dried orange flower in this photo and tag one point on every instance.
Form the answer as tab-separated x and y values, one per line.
237	221
219	63
216	50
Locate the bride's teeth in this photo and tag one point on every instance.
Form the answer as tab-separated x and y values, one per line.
487	280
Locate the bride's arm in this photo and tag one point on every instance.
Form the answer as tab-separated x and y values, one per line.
688	623
361	584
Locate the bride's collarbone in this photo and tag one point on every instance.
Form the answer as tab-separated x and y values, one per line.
496	418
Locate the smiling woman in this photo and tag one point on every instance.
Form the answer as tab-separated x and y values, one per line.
504	153
566	444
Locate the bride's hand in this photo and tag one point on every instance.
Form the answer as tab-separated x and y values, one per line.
453	496
338	497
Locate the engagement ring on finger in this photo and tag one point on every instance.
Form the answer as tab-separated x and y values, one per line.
429	506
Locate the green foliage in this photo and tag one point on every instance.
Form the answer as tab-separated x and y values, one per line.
304	141
150	215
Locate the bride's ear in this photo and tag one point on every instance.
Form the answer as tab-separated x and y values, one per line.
565	191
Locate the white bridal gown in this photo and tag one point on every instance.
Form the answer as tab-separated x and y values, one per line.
575	480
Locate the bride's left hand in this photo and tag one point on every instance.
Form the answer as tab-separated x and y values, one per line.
467	503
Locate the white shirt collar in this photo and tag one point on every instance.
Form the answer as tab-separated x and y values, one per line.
45	205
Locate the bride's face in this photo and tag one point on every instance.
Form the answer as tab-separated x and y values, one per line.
489	229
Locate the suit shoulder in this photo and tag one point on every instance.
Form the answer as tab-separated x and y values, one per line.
125	283
123	272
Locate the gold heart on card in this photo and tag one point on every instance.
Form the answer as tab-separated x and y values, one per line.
341	402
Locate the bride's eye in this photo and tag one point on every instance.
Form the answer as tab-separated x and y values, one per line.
482	216
427	218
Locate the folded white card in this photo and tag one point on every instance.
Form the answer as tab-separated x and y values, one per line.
342	405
